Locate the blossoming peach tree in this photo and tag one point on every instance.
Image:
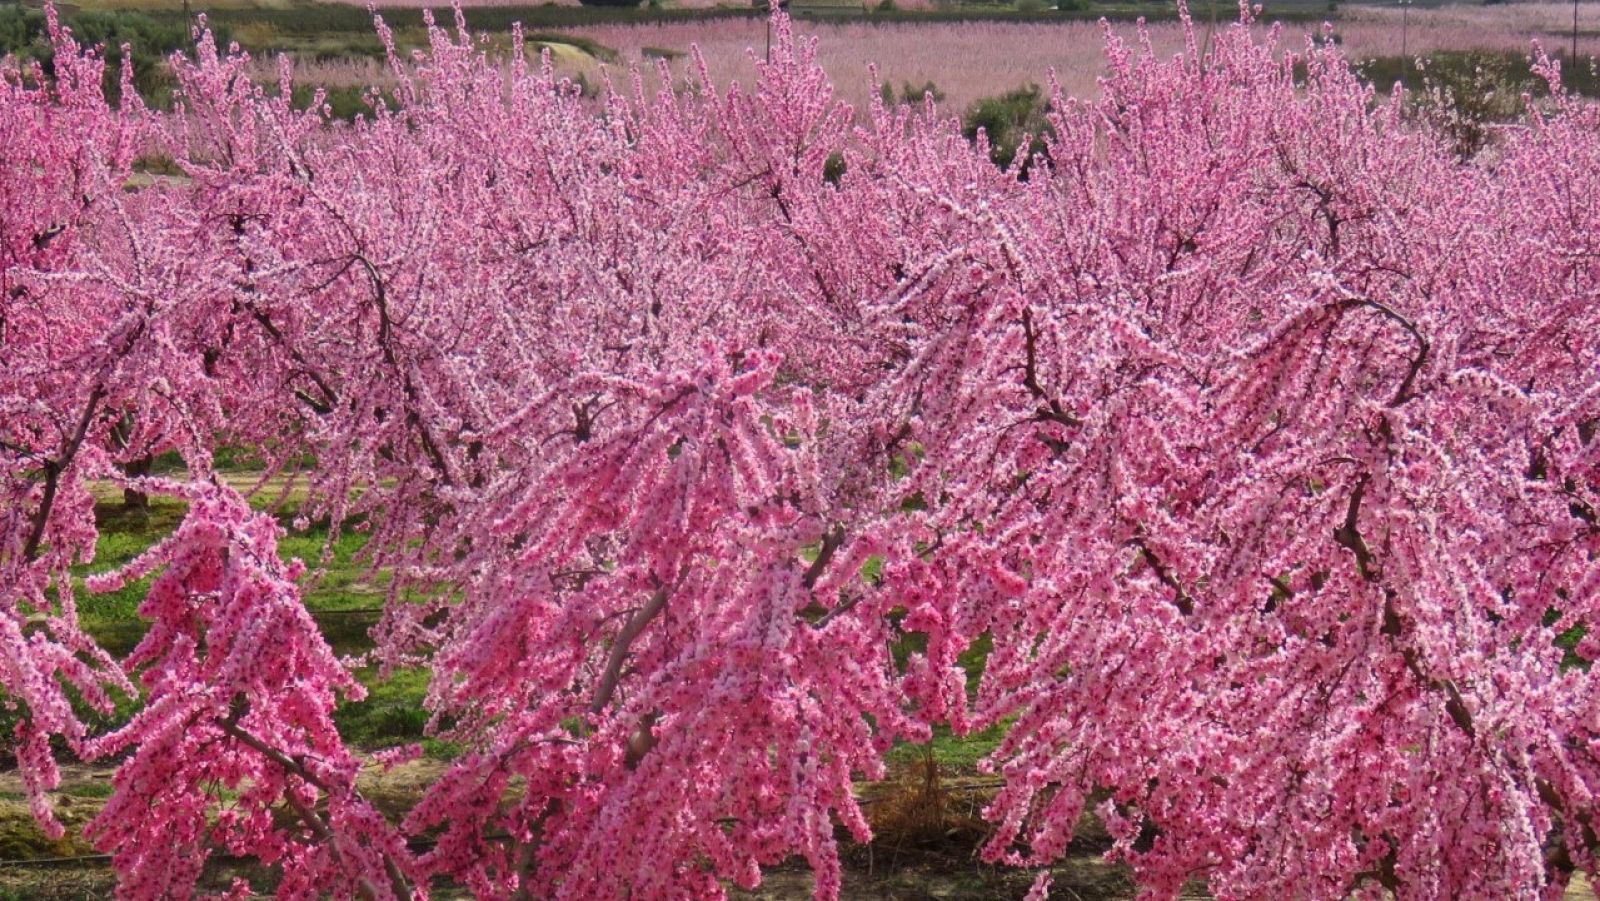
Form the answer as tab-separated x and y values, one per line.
1251	428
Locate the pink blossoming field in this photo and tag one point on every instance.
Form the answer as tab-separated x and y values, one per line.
1219	473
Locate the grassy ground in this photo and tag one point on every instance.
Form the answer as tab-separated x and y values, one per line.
345	584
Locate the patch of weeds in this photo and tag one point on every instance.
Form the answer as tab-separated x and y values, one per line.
911	94
953	753
915	808
99	789
341	103
22	839
392	714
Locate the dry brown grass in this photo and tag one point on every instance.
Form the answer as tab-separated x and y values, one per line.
916	808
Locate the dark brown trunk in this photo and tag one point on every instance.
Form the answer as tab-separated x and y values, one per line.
136	501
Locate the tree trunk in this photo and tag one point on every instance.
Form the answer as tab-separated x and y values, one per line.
133	501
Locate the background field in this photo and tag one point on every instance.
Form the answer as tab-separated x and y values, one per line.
963	51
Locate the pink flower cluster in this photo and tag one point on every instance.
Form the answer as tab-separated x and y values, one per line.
1251	427
239	696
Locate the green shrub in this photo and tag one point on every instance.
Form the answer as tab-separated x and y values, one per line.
22	32
148	40
1005	119
1464	95
910	94
342	103
833	168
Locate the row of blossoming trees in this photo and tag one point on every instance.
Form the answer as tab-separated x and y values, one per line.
1253	429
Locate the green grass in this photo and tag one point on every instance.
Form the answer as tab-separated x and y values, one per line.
346	583
953	753
344	598
972	659
392	713
102	789
123	537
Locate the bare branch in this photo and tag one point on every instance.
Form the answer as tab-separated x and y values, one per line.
1050	409
1349	533
53	470
830	545
1180	598
619	649
1418	360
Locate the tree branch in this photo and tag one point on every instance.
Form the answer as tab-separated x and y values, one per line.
385	346
1050	409
1418	360
1349	536
1349	533
53	470
1180	598
619	649
830	545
